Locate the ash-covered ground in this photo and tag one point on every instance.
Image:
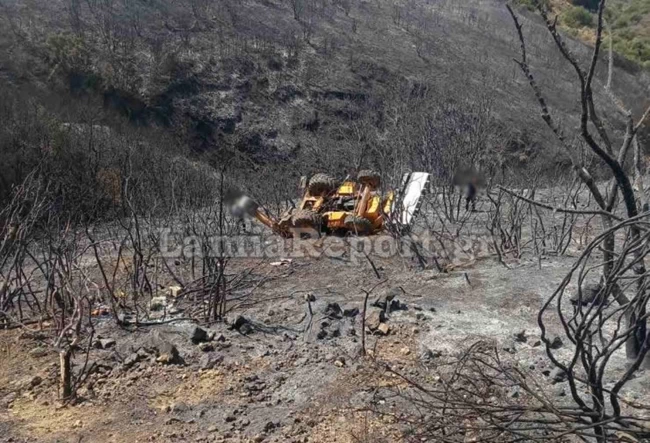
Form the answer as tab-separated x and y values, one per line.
287	366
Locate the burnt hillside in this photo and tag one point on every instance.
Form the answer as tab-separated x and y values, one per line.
305	82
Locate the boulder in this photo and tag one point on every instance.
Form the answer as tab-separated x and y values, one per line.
199	335
168	354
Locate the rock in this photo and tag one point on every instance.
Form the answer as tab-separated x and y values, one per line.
520	337
243	325
199	335
383	329
35	381
206	347
429	354
168	354
174	291
591	293
132	359
7	400
220	338
514	393
556	342
246	329
38	352
209	361
333	310
158	303
557	375
339	362
375	318
396	305
321	334
350	312
106	343
405	351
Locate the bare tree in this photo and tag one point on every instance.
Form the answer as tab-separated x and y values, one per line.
600	144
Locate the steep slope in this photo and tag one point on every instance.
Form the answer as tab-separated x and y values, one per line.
303	81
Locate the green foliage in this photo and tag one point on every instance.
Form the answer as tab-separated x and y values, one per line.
592	5
577	17
531	5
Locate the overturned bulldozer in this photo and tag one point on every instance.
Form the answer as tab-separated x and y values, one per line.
353	206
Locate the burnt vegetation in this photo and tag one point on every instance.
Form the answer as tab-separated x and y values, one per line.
128	127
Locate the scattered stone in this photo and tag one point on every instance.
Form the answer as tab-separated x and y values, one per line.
199	335
106	343
374	319
239	322
35	381
158	303
132	359
556	343
557	375
210	361
220	338
514	393
168	354
339	362
405	351
396	305
383	329
429	354
321	334
333	310
351	312
7	400
520	337
537	343
206	347
591	293
38	352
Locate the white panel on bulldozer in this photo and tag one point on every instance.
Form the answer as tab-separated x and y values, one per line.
414	185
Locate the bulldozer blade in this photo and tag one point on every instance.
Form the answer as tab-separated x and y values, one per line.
409	198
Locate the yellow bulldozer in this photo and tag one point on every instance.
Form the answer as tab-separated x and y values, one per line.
355	206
